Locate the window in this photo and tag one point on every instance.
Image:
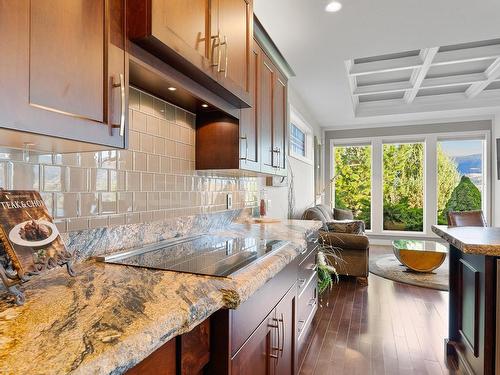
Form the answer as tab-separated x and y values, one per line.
353	176
407	183
297	141
403	186
300	138
461	182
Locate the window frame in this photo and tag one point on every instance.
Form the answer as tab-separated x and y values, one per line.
430	175
297	120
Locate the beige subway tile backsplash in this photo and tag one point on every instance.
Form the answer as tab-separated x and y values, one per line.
153	180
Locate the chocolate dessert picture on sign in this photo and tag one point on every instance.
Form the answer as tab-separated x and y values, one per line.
29	236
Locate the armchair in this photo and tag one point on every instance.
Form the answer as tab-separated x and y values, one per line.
348	235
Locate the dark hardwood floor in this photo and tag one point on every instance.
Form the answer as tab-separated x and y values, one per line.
384	327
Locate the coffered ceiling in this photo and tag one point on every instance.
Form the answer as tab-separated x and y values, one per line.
388	61
466	74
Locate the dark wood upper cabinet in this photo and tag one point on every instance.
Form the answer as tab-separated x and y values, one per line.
235	20
257	141
64	72
273	117
208	40
280	121
267	74
250	118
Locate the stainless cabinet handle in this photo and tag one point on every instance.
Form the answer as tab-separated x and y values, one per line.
313	268
274	151
226	46
277	327
121	85
219	70
301	322
215	44
282	321
245	138
312	302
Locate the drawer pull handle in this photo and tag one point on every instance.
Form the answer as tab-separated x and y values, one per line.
302	282
312	302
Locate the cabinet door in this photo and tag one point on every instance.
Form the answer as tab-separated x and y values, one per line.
63	62
280	119
235	21
256	355
250	118
285	318
266	113
188	21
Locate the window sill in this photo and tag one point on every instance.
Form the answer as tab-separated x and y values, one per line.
303	159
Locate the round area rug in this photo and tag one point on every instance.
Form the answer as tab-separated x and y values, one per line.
388	266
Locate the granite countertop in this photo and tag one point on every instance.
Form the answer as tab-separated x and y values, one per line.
110	317
471	240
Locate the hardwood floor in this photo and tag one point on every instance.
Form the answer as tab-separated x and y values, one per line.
384	327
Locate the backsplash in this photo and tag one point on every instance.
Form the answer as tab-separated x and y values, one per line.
153	180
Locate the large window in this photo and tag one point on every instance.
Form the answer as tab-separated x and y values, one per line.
408	183
353	180
403	186
461	182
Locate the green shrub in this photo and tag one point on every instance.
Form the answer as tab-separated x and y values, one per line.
465	197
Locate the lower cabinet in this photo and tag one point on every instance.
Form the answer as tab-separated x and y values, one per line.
261	337
271	347
187	354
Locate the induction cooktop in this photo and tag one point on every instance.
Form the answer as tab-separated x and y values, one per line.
202	255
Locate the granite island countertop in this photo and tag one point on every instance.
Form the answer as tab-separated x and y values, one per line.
471	240
110	317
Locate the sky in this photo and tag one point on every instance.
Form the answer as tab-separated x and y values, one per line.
462	148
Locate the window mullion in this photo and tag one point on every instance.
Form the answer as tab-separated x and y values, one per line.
377	187
430	184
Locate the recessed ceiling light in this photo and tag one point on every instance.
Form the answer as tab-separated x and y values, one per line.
171	88
204	105
333	6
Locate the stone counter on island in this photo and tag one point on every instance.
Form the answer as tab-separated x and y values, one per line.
474	258
110	317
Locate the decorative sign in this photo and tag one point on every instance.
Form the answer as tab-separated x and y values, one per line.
30	239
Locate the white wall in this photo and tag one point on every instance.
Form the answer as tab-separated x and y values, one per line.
303	172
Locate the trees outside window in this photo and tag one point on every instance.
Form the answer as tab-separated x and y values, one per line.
403	186
459	183
460	176
353	181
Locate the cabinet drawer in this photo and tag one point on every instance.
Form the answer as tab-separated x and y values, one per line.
252	312
307	269
306	306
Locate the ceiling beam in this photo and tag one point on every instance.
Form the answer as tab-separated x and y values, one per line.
492	74
382	88
352	85
427	56
467	54
455	80
382	66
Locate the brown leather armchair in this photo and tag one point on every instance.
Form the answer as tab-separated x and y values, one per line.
354	246
466	219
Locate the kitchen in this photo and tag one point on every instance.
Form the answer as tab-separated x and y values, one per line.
149	129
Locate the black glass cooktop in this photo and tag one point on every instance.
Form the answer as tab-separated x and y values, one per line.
204	255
